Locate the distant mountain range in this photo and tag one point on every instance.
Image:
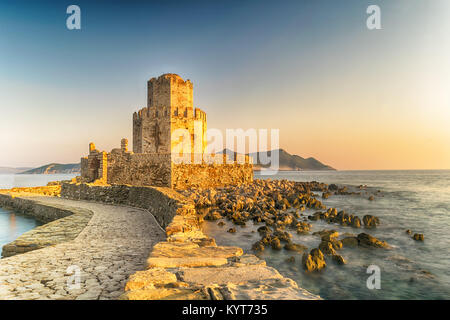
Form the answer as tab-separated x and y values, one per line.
8	170
287	161
55	168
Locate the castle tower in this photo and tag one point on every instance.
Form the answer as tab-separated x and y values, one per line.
169	107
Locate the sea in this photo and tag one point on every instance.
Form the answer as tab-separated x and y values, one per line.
415	200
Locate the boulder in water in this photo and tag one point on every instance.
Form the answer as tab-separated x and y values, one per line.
356	222
314	261
370	221
275	244
418	236
294	247
366	240
339	259
327	248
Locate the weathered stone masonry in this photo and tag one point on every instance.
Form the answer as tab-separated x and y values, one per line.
159	140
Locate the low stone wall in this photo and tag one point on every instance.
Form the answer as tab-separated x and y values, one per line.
40	212
163	203
207	176
62	224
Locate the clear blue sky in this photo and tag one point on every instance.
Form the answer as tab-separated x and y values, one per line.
351	97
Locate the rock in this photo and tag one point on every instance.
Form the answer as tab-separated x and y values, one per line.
221	223
339	259
282	235
290	259
294	247
337	244
258	246
356	222
275	244
232	230
370	221
165	294
264	230
418	237
350	242
371	198
366	240
149	279
327	248
213	215
314	261
327	235
227	274
333	187
185	262
183	250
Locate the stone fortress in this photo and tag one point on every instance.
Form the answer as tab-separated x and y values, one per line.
169	146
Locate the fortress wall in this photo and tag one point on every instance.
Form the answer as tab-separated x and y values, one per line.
139	169
40	212
185	176
151	130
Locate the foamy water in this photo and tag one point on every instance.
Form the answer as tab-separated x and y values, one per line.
416	200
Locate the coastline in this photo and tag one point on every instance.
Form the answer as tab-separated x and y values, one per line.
180	266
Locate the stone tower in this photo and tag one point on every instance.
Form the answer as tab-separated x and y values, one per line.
169	107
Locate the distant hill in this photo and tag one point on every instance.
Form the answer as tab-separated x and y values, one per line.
55	168
9	170
287	161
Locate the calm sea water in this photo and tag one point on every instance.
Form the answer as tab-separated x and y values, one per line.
416	200
12	224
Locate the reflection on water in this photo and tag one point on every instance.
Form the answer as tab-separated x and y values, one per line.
12	225
411	270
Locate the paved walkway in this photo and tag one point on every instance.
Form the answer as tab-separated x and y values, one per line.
115	244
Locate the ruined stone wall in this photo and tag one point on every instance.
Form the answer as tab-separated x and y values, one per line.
186	176
139	169
163	203
151	130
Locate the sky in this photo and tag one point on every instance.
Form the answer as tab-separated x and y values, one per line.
351	97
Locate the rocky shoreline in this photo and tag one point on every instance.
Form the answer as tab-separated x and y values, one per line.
279	207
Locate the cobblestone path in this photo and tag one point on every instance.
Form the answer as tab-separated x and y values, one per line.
115	244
